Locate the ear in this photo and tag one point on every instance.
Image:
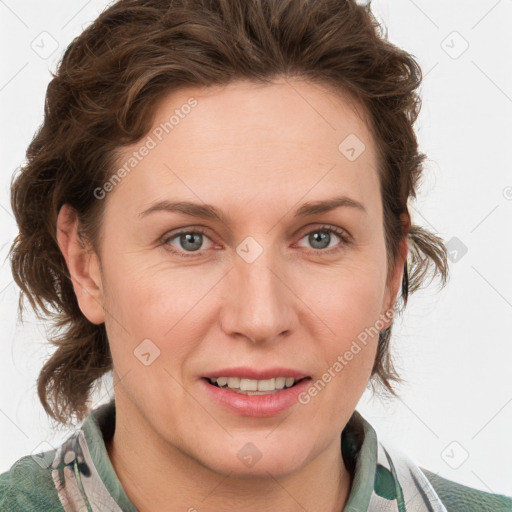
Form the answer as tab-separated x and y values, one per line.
395	278
83	266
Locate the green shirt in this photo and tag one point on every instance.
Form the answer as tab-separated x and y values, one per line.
78	476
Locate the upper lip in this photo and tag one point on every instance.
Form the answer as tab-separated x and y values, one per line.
256	373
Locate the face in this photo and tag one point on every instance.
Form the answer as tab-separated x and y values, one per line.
270	287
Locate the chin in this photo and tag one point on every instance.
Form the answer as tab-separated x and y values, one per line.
248	461
262	470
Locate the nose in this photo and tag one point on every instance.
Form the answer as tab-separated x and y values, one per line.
259	305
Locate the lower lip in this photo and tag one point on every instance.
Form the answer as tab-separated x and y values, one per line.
256	405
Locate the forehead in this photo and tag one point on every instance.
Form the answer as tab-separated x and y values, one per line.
296	111
281	139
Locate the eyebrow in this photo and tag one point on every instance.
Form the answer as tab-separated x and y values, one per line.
206	211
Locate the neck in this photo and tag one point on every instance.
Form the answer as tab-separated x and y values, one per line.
149	466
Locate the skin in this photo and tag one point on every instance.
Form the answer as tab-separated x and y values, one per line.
296	305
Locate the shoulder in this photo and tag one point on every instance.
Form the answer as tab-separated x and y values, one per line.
28	485
461	498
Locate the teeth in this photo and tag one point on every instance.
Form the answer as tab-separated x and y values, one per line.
280	382
267	385
248	385
233	382
236	383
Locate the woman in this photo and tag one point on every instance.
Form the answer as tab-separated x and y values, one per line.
215	209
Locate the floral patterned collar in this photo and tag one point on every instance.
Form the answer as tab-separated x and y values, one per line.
383	480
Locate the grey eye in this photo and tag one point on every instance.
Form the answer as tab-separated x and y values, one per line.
190	241
319	239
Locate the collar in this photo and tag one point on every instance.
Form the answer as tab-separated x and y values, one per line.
382	480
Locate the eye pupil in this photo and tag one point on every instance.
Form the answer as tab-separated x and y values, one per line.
189	237
321	237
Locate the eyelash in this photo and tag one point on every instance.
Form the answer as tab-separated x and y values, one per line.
341	233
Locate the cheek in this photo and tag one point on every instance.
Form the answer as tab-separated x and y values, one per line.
147	302
356	325
347	299
349	308
153	329
348	357
149	293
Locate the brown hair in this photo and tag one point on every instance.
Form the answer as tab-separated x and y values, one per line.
104	94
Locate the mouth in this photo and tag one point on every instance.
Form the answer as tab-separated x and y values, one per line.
244	386
247	391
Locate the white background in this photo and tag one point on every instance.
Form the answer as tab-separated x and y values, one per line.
453	347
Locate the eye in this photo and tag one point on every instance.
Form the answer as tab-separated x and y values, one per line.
321	238
189	241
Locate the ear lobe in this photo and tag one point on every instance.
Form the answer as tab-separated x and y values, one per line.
395	280
83	266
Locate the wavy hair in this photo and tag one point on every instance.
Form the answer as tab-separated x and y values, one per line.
104	94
